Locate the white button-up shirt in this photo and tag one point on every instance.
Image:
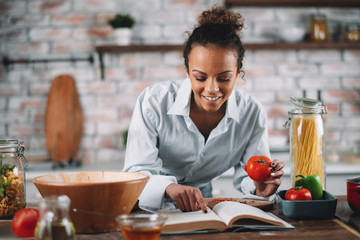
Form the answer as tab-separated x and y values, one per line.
164	143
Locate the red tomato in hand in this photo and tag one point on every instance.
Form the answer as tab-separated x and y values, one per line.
24	222
258	168
298	194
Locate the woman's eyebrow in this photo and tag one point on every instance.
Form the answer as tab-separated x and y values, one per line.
196	70
227	71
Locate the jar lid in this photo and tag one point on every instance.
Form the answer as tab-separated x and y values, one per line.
306	102
9	145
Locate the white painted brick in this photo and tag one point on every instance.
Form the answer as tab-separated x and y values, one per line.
256	14
39	89
274	56
49	7
89	129
352	55
163	73
15	48
175	32
173	58
100	115
109	154
347	123
319	83
297	70
161	17
341	69
123	74
316	56
95	5
14	7
258	69
147	32
50	34
336	96
115	128
140	59
33	20
273	82
351	109
352	83
264	96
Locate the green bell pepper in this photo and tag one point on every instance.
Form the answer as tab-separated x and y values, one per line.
313	184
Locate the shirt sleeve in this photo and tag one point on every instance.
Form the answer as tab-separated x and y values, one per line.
142	154
257	145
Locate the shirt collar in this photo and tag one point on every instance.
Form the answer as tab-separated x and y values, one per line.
181	105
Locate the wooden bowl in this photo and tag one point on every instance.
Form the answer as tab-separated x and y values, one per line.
103	192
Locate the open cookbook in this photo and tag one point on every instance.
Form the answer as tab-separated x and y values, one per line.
225	216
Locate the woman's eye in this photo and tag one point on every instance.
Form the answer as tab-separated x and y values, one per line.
200	79
224	79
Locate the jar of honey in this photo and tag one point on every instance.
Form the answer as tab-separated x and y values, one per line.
319	28
352	33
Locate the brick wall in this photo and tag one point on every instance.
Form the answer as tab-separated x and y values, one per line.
72	28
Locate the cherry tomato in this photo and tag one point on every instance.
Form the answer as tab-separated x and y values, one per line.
24	222
298	194
258	168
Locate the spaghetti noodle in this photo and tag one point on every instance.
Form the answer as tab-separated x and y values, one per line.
307	146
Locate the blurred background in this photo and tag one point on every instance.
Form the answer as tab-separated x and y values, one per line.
41	39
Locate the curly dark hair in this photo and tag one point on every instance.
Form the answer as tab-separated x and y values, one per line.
220	27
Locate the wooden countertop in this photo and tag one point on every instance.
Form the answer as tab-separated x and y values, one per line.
346	225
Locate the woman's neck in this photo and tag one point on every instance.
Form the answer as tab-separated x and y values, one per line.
204	120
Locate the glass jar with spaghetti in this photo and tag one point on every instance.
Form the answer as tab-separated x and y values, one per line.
12	177
307	138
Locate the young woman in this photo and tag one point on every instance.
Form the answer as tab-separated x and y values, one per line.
185	133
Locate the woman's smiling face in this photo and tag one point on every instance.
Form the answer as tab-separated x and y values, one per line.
212	72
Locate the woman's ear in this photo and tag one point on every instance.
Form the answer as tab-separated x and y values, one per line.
187	73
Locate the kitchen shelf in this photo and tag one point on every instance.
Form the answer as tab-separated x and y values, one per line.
293	3
102	49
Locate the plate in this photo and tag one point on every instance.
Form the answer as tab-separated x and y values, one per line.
264	205
313	209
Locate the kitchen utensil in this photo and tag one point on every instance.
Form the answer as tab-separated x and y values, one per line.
110	193
310	209
353	193
63	120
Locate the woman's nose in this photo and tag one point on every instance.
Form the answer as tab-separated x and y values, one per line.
211	86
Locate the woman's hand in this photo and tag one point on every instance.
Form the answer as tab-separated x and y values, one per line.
270	186
187	198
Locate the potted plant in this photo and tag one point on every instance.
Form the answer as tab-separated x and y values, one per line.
122	25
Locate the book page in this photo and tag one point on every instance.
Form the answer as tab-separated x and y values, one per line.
178	221
229	212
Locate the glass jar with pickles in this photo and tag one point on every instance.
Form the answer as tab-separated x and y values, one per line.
12	177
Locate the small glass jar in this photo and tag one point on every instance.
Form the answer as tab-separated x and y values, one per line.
318	28
307	139
54	222
12	177
352	33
